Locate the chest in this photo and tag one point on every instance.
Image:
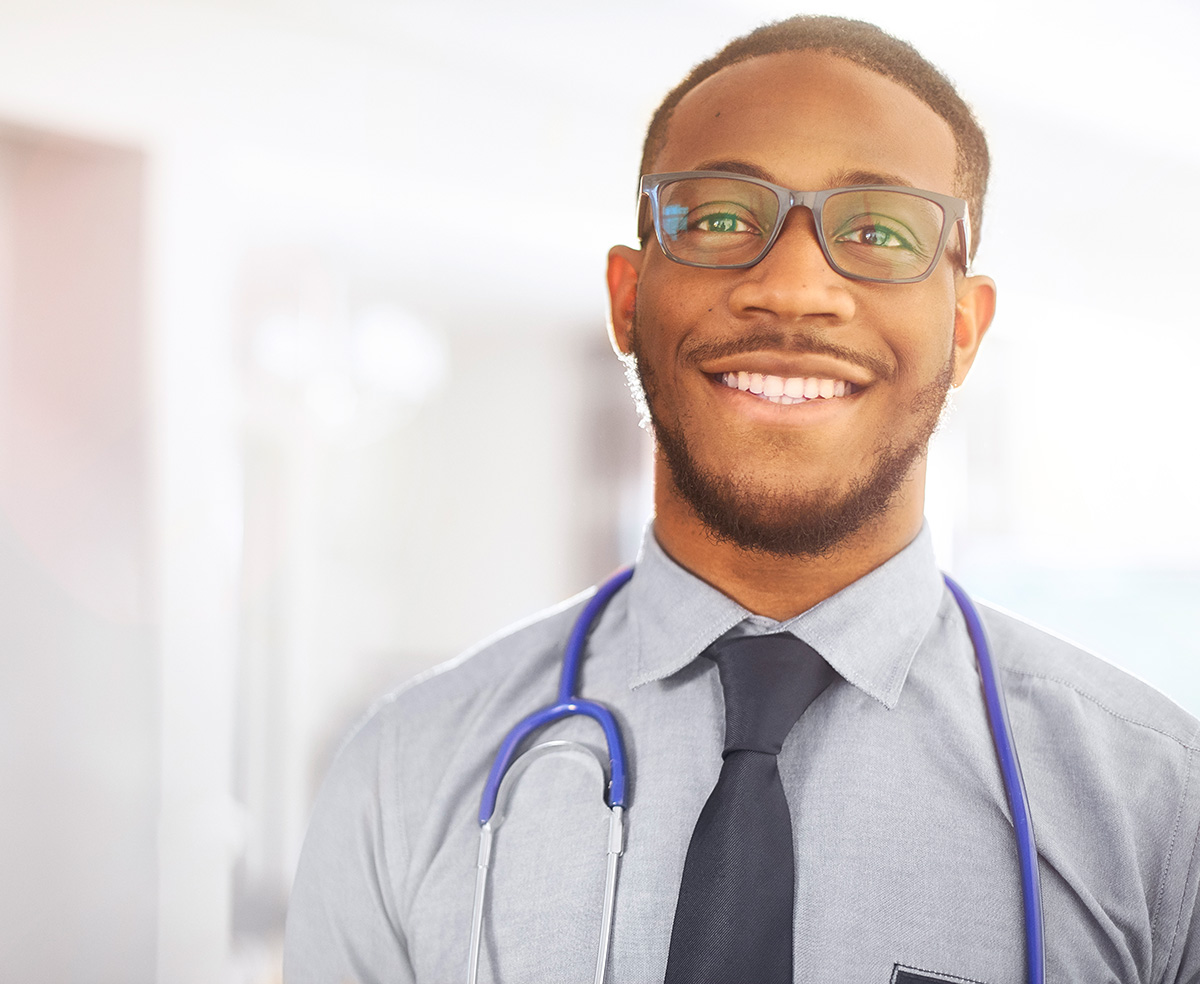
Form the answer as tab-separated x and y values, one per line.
903	857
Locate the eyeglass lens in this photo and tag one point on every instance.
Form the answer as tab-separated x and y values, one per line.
881	235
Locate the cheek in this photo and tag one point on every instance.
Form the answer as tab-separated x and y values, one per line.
922	336
662	319
680	292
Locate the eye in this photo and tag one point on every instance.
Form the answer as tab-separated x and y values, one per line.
871	230
721	222
717	218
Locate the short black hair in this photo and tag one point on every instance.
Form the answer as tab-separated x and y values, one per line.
866	45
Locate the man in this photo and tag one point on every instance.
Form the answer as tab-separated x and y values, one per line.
793	353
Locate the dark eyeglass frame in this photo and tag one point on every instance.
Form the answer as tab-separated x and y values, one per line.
954	209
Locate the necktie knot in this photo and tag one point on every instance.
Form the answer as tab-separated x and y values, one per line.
769	681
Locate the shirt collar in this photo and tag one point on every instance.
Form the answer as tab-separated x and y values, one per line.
869	631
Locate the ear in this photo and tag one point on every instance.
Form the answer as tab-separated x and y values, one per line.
973	310
624	263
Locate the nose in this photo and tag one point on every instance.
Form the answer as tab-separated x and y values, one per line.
794	280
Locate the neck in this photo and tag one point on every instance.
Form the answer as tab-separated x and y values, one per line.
781	587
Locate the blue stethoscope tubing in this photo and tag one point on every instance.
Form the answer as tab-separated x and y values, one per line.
508	763
568	704
1014	785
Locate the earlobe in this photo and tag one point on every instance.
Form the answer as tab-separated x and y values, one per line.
974	308
624	262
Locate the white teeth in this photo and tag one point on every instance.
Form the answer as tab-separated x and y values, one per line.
786	391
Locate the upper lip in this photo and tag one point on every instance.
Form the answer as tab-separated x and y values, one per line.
791	365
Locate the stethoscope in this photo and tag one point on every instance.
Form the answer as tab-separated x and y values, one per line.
508	766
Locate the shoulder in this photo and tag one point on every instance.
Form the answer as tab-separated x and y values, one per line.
408	774
1111	767
521	655
418	757
416	728
1069	678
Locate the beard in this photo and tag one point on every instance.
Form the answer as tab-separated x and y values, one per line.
789	522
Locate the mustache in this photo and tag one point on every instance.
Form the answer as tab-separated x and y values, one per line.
762	337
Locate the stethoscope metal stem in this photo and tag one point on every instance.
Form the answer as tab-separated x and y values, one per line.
481	881
616	847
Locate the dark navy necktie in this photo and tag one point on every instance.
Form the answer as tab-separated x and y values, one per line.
733	920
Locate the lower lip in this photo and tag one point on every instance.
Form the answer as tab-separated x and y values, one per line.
807	412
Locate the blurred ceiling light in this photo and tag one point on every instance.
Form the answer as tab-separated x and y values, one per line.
287	347
395	354
332	400
358	377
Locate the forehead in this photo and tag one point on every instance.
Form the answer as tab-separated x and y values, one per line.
806	117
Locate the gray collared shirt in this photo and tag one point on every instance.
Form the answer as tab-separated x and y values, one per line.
904	850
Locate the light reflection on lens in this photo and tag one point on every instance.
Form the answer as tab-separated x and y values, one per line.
717	221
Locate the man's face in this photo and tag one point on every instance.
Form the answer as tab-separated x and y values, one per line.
794	478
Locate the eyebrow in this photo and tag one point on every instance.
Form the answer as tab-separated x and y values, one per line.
845	178
738	167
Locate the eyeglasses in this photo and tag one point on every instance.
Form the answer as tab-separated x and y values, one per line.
880	233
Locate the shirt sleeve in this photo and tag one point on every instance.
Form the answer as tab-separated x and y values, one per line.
342	927
1184	963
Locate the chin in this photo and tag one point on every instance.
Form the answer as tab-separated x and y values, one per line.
788	520
790	523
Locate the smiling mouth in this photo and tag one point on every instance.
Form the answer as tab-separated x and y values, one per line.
787	390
